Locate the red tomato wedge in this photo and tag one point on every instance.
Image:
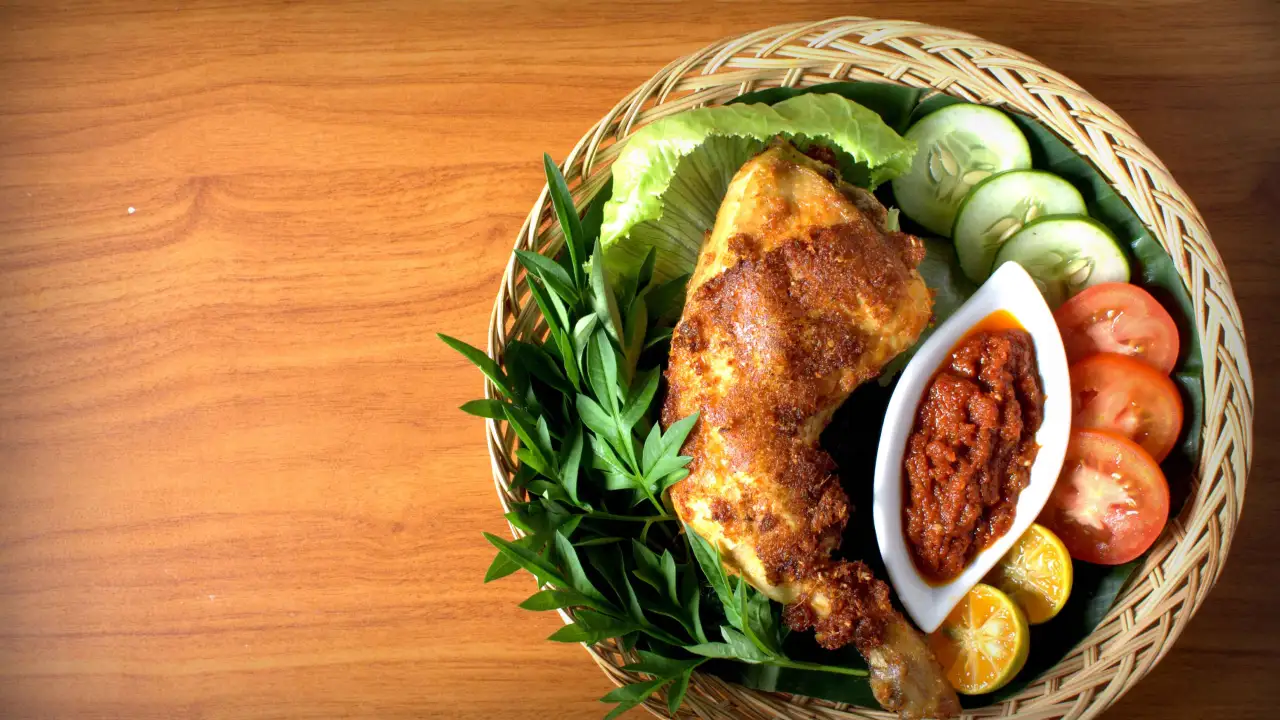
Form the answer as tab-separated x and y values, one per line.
1127	397
1118	318
1111	500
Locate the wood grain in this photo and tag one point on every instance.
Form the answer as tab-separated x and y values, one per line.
235	483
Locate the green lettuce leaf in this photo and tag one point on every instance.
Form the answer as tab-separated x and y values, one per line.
671	176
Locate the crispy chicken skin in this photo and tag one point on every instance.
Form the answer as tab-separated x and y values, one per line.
798	297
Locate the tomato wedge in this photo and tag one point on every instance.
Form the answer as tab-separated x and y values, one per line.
1128	397
1111	500
1118	318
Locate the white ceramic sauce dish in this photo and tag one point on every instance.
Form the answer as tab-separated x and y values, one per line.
1010	289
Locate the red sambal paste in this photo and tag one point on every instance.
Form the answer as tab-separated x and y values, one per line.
970	451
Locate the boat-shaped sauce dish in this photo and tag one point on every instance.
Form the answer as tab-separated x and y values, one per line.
1011	290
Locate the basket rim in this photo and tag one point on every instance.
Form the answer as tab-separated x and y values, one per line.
1150	614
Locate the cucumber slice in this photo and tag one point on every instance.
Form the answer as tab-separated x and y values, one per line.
1066	254
956	148
999	206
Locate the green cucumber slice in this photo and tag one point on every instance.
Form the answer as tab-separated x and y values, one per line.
997	208
1066	254
956	148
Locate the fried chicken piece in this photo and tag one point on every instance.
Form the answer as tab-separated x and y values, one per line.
798	297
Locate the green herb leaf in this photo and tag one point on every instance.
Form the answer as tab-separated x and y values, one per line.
594	416
593	215
491	409
602	371
661	666
670	574
637	324
570	224
533	459
606	306
758	624
570	461
557	321
543	517
676	693
652	449
666	300
523	475
528	434
552	275
657	336
555	313
665	467
629	696
629	641
576	575
660	455
645	275
624	291
666	668
536	361
633	602
673	438
521	520
744	648
612	565
544	443
691	599
716	650
709	560
673	478
570	523
736	647
501	566
648	566
641	398
603	458
574	633
552	600
602	540
544	572
606	625
482	361
619	481
568	359
582	332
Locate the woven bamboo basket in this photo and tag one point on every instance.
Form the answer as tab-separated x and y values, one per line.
1183	566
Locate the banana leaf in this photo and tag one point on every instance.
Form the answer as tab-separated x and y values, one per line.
854	432
852	436
893	103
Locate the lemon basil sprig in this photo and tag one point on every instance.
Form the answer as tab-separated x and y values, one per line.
595	465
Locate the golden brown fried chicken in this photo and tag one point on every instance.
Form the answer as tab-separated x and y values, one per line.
798	297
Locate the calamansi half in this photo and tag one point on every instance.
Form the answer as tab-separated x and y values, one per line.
1036	573
983	642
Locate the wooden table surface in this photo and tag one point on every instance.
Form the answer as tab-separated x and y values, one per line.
235	482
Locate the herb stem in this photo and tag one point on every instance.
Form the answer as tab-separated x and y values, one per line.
632	518
661	635
656	504
801	665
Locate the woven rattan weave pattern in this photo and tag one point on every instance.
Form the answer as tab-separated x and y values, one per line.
1184	564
